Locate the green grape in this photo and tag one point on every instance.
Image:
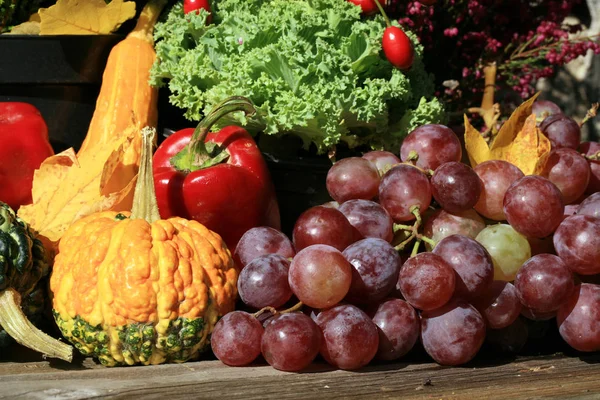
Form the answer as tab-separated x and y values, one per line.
508	248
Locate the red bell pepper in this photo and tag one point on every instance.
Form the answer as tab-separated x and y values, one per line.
25	144
219	179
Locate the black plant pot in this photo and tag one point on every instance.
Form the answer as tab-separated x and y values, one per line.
60	75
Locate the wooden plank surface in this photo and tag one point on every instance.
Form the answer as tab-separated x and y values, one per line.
555	376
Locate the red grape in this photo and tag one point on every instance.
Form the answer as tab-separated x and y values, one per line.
543	283
264	282
590	206
456	187
591	149
383	160
534	206
235	339
352	178
500	305
577	242
402	188
545	108
579	318
290	341
434	144
399	328
323	225
535	315
510	339
562	131
471	262
369	218
569	171
496	176
376	266
350	337
320	276
452	334
441	224
427	281
260	241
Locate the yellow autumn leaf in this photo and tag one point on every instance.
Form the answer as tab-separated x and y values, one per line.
67	187
85	17
519	142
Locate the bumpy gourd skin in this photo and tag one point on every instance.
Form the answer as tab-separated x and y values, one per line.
23	266
127	291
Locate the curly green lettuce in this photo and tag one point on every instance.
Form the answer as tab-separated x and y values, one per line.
313	68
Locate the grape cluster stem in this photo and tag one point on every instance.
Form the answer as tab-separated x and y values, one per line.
274	311
414	233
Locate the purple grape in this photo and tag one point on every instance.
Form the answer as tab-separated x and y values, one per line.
290	341
562	131
500	305
264	282
350	337
441	224
352	178
452	334
323	225
472	263
496	176
590	206
543	283
434	145
369	218
579	318
569	171
236	338
260	241
577	242
399	328
383	160
427	281
592	149
545	108
456	187
376	266
402	188
534	206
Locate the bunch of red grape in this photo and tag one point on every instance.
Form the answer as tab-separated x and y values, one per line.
424	247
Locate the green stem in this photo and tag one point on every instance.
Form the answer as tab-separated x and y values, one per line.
14	322
274	311
196	152
385	17
415	249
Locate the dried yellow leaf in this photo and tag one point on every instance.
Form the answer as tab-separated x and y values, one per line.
26	28
85	17
519	142
67	187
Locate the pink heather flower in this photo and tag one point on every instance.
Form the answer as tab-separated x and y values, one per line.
450	32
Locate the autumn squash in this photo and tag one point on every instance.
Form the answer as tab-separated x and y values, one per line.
24	273
101	176
127	102
131	289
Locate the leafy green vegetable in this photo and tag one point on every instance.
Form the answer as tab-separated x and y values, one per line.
314	68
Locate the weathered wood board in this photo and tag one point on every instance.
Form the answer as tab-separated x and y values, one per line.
555	376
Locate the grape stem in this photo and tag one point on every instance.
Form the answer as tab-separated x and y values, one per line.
591	113
414	233
592	157
274	311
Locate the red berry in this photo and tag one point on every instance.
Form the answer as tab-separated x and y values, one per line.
368	6
398	48
195	5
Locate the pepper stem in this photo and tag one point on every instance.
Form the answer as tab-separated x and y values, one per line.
22	330
144	198
385	17
195	155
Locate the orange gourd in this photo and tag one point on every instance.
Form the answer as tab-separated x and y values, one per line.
131	289
127	102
